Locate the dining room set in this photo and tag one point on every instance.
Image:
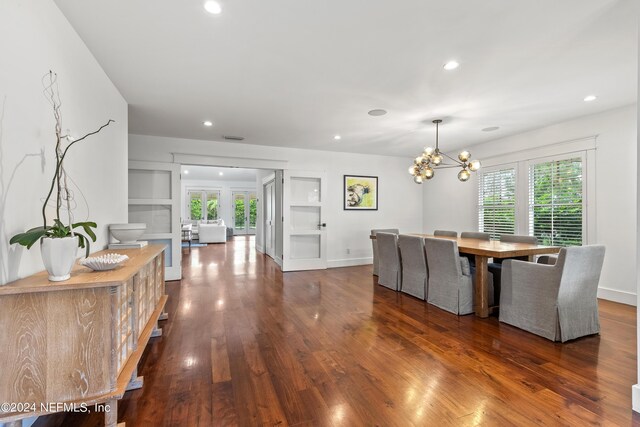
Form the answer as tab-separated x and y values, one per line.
549	291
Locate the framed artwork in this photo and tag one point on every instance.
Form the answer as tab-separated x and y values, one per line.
360	193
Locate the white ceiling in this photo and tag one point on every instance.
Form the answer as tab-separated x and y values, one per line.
295	73
210	173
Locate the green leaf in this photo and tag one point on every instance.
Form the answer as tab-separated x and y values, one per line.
87	227
30	237
83	242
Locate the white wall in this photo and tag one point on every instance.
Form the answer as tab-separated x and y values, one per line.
400	202
453	205
226	189
36	38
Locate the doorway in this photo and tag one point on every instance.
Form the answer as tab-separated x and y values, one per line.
245	212
269	218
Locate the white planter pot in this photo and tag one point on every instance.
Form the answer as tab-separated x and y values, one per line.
58	256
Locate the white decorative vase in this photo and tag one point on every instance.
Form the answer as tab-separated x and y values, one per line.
59	255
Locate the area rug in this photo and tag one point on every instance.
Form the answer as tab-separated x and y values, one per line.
193	244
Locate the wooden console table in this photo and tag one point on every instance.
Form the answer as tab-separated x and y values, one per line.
78	342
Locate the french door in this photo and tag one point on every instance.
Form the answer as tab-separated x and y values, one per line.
304	229
154	199
245	209
203	204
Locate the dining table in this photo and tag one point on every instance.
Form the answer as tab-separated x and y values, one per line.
485	249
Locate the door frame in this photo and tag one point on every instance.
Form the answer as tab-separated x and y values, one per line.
269	250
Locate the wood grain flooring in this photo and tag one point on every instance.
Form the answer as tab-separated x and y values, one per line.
247	345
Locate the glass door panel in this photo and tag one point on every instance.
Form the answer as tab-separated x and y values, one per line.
213	200
253	212
239	213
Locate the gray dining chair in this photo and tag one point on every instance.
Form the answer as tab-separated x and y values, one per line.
389	272
414	266
558	302
496	266
474	235
445	233
547	259
374	243
450	279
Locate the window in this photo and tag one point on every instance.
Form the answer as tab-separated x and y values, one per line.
203	204
497	202
556	202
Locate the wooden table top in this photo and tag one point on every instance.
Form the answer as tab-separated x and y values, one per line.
84	277
495	248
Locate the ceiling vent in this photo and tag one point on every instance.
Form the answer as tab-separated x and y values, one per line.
233	138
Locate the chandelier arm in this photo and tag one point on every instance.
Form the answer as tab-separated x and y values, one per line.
445	166
451	158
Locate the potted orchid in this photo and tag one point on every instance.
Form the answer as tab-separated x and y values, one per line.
59	240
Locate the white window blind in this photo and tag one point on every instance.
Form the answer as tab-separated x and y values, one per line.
556	202
497	202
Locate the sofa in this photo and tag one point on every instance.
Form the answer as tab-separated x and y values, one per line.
212	232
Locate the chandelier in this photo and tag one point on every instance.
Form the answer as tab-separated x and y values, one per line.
425	164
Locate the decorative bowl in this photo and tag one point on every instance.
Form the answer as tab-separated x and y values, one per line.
104	262
127	233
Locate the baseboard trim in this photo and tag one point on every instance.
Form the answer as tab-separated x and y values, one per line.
259	249
278	261
617	296
635	397
349	262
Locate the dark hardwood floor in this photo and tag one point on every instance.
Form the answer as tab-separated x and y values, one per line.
247	345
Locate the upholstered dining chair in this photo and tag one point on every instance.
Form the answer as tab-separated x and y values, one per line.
445	233
389	272
474	235
558	302
374	242
414	266
450	279
496	266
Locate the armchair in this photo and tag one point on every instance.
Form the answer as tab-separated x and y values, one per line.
558	302
212	232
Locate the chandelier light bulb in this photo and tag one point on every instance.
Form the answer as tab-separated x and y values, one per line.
464	175
428	173
474	165
412	170
436	159
428	151
464	156
418	160
417	179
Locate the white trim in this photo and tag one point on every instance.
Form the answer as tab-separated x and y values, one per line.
238	162
278	261
260	249
615	295
635	397
267	179
349	262
549	150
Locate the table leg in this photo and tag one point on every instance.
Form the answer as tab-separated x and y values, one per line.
481	300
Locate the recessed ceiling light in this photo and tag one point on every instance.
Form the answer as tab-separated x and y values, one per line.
337	137
221	173
490	128
212	7
590	98
451	65
207	123
377	112
186	172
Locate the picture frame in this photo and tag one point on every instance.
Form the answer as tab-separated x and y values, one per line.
360	193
